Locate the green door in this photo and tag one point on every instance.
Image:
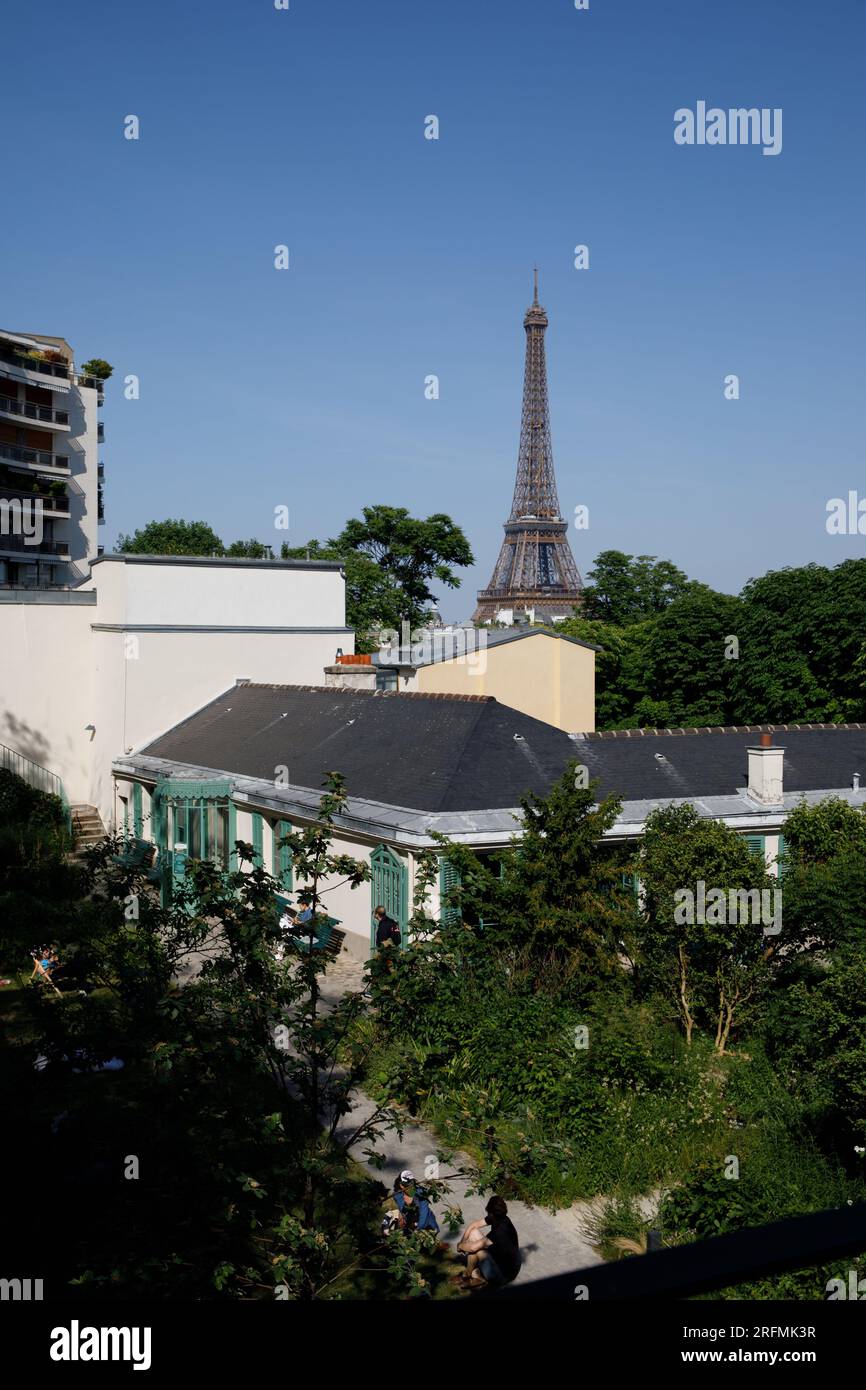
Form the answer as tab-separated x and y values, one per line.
389	888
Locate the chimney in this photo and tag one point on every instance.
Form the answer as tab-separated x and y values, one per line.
351	672
765	782
856	782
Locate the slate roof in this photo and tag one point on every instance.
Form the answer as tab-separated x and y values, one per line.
713	762
440	753
427	752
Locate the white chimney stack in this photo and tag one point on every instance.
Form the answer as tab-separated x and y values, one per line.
765	772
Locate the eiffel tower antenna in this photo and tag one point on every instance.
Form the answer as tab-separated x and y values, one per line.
536	570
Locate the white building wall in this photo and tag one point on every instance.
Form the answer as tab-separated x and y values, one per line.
46	688
135	590
82	684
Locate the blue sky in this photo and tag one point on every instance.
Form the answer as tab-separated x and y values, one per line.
305	387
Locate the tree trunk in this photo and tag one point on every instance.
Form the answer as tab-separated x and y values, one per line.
684	1000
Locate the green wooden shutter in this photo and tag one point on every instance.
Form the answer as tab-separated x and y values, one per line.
756	844
388	889
258	838
137	817
783	867
283	855
449	877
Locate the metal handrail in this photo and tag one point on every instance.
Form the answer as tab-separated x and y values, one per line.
34	364
49	500
41	457
43	413
33	773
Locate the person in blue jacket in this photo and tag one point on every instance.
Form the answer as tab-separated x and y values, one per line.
416	1214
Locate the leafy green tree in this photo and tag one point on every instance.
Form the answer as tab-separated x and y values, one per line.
97	366
819	1038
172	538
817	834
688	670
628	588
390	561
249	550
231	1099
557	891
711	971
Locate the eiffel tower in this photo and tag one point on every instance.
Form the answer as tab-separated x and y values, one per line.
535	571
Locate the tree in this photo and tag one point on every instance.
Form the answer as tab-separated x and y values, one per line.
710	969
390	560
250	550
817	834
231	1102
172	538
688	666
97	366
628	588
556	892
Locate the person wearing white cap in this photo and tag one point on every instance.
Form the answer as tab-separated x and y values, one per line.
415	1211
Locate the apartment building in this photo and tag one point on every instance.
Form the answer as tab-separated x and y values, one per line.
50	474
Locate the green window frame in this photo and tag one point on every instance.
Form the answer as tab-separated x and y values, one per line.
389	887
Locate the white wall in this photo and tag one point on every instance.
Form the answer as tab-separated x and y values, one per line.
46	688
62	671
224	595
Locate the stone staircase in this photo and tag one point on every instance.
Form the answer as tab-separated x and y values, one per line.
87	827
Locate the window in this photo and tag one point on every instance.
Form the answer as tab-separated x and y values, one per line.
203	827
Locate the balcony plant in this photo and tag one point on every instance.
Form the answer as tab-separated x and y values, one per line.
98	367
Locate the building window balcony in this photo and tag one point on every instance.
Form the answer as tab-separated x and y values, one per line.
52	504
21	546
28	411
43	363
34	458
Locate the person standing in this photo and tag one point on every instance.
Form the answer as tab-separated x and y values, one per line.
387	930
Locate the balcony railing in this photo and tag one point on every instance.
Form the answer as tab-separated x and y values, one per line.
20	545
95	383
43	413
39	458
719	1262
34	364
50	504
